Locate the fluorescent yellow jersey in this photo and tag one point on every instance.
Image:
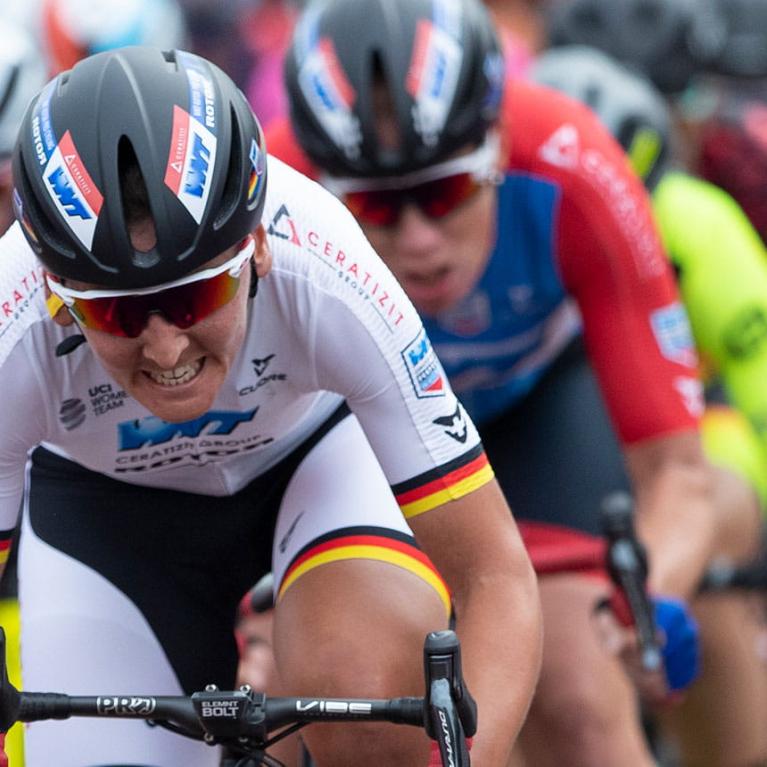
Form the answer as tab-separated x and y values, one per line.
722	266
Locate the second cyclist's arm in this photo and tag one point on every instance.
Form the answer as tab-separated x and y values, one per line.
640	345
672	485
477	548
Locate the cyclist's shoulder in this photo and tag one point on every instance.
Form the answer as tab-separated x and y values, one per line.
309	230
556	138
22	302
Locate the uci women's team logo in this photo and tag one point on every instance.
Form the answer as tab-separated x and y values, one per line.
72	190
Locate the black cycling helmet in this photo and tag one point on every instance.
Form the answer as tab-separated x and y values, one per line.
668	40
440	61
627	103
744	53
184	128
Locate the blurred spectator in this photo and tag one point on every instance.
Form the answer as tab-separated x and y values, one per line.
215	32
522	19
22	75
73	29
267	29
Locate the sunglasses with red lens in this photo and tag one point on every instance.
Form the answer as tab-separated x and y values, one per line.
435	199
183	302
437	190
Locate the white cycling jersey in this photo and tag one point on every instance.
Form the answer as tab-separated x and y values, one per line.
328	323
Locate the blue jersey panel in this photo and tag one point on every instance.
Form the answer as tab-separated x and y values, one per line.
497	343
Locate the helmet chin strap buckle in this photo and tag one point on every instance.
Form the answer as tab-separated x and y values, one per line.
253	281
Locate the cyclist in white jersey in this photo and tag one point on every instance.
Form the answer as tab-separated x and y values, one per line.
188	411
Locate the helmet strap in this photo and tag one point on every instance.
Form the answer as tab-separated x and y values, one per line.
253	280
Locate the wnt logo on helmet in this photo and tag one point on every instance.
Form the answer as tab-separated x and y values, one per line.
330	96
433	76
191	159
73	191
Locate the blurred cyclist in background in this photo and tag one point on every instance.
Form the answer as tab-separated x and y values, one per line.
22	74
74	29
499	207
722	268
709	58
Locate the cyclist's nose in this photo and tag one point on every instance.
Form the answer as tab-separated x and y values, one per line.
416	232
163	343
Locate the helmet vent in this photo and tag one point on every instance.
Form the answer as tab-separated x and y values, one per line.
135	201
170	58
233	191
388	134
134	197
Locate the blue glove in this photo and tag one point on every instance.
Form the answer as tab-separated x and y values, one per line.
681	644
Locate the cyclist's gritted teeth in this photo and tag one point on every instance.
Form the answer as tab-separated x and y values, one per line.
179	375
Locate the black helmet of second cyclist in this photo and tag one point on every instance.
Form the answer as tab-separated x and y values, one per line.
177	118
627	103
439	61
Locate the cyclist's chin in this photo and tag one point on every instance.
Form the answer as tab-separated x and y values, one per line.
433	301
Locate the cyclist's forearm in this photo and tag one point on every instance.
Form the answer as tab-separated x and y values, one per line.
677	523
476	546
499	624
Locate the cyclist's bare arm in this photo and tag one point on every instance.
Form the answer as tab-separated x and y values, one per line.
476	546
673	488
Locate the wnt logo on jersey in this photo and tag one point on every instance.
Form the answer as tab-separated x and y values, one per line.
73	191
154	431
423	367
192	156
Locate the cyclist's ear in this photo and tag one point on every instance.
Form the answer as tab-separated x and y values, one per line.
56	308
263	254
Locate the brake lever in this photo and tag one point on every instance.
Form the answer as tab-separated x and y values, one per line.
442	660
627	565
